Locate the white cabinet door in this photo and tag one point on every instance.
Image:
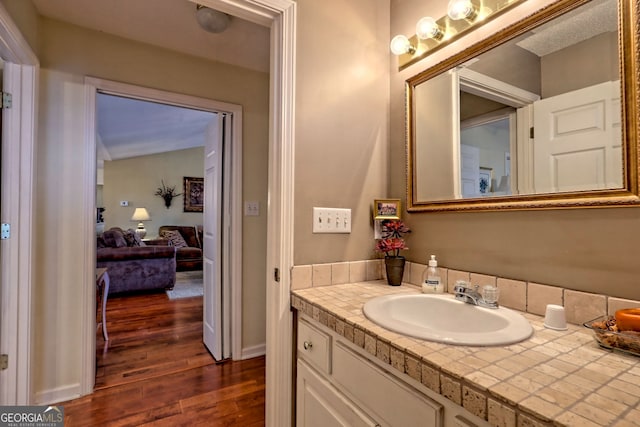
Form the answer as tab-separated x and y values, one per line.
319	404
393	402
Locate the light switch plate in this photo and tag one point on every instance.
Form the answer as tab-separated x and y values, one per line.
124	203
331	220
251	208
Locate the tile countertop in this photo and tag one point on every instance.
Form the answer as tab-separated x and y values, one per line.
560	378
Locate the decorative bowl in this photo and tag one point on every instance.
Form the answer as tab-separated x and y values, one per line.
607	335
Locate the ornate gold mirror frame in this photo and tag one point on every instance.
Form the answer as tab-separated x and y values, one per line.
629	55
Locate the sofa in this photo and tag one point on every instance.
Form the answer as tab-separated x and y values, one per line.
133	266
188	244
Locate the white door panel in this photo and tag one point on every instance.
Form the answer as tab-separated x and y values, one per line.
577	140
469	170
216	303
212	244
579	170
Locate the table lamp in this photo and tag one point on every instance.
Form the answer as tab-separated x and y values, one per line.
141	214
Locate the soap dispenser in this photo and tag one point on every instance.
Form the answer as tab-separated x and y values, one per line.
431	282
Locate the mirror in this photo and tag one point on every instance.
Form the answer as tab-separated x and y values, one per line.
540	115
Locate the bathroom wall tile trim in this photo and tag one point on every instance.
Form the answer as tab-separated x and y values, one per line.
519	295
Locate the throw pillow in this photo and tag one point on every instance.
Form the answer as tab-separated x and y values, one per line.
101	243
114	238
133	239
175	238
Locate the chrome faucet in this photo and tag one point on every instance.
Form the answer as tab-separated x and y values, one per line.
464	292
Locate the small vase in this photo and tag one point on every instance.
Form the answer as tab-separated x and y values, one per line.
394	266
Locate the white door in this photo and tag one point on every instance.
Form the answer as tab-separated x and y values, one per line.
469	170
578	140
216	332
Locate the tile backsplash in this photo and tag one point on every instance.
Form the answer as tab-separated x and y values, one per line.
516	294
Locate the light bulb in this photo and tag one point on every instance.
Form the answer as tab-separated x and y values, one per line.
400	45
428	28
461	9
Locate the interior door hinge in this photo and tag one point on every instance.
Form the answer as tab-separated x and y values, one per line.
7	100
276	274
4	361
5	231
531	132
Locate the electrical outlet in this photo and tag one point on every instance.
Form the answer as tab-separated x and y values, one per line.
124	203
331	220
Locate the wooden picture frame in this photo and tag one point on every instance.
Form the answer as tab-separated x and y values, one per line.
193	194
387	209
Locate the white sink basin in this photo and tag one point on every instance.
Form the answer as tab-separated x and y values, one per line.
444	319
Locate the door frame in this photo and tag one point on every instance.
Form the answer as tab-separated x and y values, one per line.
18	188
280	16
521	144
234	176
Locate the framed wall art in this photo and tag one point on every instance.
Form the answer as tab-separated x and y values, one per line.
386	209
193	194
486	180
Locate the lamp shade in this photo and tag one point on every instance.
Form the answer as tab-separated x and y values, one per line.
140	214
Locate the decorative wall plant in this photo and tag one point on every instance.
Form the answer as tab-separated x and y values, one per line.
167	193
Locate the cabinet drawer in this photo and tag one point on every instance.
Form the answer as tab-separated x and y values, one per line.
314	346
394	402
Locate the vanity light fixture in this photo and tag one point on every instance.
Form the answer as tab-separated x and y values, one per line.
432	34
428	28
401	45
462	9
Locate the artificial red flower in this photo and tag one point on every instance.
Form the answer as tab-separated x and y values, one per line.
392	242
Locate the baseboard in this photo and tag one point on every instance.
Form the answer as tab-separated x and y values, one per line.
56	395
254	351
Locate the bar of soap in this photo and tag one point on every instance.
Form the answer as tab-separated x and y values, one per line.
628	319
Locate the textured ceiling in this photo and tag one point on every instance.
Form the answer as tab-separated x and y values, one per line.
589	20
129	128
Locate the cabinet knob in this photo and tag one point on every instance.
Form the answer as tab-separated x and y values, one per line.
308	345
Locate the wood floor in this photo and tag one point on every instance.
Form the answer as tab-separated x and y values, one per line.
156	371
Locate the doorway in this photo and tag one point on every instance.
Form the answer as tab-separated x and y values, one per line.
143	143
228	130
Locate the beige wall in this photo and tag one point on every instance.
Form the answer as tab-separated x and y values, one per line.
67	54
574	68
342	114
432	102
592	250
136	181
513	65
24	15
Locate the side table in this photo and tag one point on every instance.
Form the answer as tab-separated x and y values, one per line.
102	293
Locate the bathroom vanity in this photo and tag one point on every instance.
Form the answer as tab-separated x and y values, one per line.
352	372
339	384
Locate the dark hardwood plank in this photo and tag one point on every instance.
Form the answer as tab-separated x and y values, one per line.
156	371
